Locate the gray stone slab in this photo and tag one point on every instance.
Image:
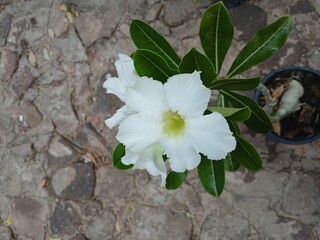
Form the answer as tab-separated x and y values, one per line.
106	188
265	184
176	12
7	126
5	26
65	219
30	113
60	153
101	226
29	218
173	225
217	227
255	19
89	27
270	226
79	237
303	6
55	102
71	47
22	81
5	233
59	22
301	195
9	64
74	182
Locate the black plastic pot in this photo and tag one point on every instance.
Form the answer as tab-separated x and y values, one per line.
232	3
306	82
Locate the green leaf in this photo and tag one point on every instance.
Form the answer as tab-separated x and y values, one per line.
234	127
145	37
194	60
150	64
212	175
230	164
244	84
263	44
216	33
259	120
234	114
118	153
246	155
175	179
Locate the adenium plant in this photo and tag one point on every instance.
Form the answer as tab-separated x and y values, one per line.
166	125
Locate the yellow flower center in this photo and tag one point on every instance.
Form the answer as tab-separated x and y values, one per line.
174	124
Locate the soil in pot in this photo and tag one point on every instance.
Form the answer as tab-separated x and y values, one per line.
305	122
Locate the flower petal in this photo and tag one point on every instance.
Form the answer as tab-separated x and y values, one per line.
120	114
210	135
147	95
116	86
149	159
139	131
187	95
127	77
130	157
125	69
182	156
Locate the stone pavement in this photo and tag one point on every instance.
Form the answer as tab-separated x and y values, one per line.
56	179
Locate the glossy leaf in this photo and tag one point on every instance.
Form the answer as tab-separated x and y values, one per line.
175	179
234	114
194	60
246	155
149	64
230	164
145	37
263	44
118	153
216	33
259	120
212	175
244	84
234	127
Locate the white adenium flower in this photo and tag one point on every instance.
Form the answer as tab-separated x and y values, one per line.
169	118
127	77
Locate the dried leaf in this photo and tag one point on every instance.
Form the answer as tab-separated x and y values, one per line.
50	33
306	114
64	7
118	227
92	158
46	54
95	121
277	127
32	59
44	182
277	93
70	17
71	11
9	220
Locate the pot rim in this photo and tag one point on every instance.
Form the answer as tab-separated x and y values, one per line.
273	135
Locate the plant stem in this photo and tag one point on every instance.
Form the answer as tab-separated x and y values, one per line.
269	103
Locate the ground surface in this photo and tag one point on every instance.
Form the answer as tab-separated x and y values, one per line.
53	65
